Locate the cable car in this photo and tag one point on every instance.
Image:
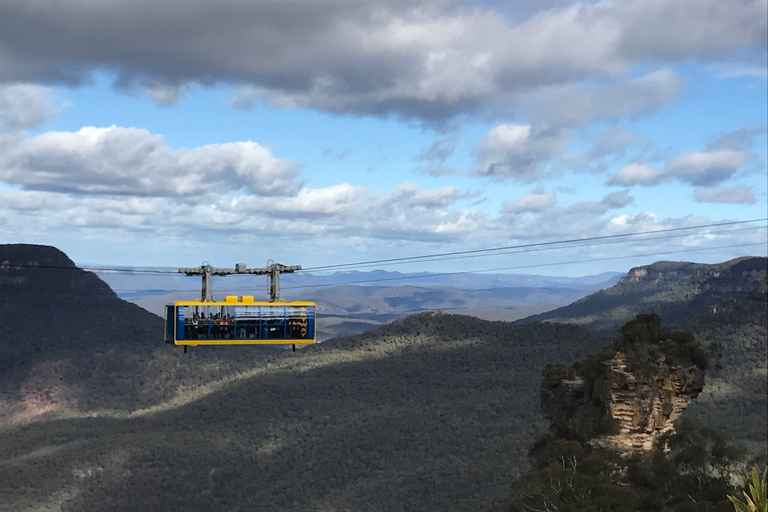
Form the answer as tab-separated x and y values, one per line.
239	321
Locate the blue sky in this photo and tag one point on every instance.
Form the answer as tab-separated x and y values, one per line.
167	133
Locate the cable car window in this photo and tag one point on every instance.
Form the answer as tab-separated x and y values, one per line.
246	322
219	323
169	318
273	323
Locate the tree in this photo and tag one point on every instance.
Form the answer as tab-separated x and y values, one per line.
570	477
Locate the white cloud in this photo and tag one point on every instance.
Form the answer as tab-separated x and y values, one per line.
24	106
577	103
339	219
738	140
519	152
618	199
440	150
705	167
536	201
694	167
611	141
731	70
612	201
740	194
343	198
545	202
133	161
426	60
433	169
166	94
637	173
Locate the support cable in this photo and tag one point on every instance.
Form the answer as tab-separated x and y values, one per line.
446	255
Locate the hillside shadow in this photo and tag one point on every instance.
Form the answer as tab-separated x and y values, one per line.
419	429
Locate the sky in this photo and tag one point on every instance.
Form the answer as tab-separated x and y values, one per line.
320	132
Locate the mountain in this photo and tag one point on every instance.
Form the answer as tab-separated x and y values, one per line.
678	291
364	307
429	412
351	302
628	396
56	319
617	442
136	282
69	345
99	414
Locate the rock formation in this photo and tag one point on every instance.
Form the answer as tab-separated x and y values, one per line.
629	395
679	291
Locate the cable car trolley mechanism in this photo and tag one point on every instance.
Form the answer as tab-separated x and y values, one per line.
239	320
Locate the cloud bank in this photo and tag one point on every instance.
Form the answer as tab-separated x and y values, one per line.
426	60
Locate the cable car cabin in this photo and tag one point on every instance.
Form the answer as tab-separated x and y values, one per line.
239	322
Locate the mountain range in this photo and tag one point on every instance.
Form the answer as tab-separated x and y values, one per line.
433	411
351	302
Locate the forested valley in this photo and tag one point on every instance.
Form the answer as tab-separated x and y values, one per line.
432	411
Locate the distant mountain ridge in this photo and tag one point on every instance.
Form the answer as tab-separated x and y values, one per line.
678	291
431	411
475	281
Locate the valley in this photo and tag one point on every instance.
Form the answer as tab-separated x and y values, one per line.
430	411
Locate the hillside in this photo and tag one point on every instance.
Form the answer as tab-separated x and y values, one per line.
430	412
617	441
725	304
678	291
68	343
107	417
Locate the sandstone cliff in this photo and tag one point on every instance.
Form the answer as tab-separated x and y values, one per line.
679	291
629	395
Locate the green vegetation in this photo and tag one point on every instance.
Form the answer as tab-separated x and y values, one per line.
757	498
679	291
725	306
644	342
429	412
689	471
568	476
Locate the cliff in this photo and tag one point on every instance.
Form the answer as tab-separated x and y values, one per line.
680	291
630	394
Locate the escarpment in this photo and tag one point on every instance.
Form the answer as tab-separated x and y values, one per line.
631	393
680	291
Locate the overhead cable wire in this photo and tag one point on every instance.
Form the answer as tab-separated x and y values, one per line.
433	257
538	244
551	248
555	248
537	265
519	267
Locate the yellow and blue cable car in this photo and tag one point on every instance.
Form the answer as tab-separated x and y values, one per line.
239	321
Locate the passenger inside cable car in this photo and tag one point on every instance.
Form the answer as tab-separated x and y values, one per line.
240	322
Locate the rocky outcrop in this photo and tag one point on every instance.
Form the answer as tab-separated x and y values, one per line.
740	275
679	291
622	399
639	410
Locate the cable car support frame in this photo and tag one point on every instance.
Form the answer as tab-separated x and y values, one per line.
206	271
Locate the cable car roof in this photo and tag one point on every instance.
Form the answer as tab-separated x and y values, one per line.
234	300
